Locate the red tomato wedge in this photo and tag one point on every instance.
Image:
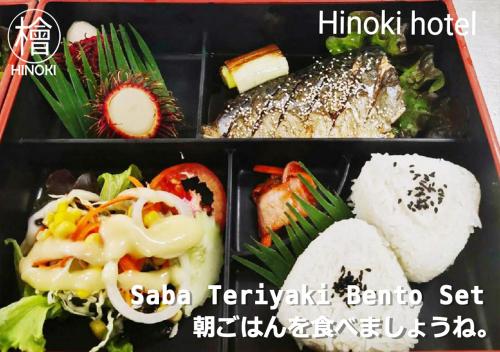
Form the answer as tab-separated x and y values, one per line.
169	180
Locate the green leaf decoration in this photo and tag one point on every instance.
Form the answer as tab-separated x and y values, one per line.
89	75
282	248
309	229
121	60
266	274
149	60
277	261
269	257
294	241
81	99
101	58
135	62
107	50
71	90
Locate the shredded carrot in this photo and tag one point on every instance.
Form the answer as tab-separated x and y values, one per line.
135	182
58	263
265	169
93	212
91	227
165	264
127	262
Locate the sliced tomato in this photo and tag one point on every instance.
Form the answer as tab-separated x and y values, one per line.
169	180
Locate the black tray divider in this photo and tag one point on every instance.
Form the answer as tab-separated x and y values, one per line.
201	92
226	282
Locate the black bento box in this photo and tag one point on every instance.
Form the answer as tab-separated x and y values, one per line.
190	41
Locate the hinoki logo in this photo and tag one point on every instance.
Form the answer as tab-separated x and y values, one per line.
35	36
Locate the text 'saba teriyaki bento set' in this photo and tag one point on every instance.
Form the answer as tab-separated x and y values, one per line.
180	145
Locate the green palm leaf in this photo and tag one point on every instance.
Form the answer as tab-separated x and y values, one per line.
121	60
89	75
101	58
135	62
69	91
107	50
302	230
266	274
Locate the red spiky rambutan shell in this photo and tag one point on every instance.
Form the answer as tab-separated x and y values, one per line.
167	114
89	47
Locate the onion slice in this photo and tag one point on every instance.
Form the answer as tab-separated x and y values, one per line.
145	195
110	278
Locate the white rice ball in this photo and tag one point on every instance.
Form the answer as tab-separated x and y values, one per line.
426	208
349	247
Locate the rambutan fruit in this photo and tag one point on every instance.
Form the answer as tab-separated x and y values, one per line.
132	105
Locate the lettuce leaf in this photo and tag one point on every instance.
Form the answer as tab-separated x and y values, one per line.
392	44
113	184
423	72
21	323
119	344
419	82
416	115
24	289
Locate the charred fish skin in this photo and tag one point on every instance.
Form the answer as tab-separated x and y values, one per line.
353	95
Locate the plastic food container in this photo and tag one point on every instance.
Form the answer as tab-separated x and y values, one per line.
190	41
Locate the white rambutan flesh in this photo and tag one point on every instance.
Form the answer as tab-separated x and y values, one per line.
132	112
80	30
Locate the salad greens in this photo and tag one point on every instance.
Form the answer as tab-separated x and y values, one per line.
21	323
417	98
420	80
24	289
278	261
392	44
119	344
113	184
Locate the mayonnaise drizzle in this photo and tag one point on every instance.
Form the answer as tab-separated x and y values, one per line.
168	238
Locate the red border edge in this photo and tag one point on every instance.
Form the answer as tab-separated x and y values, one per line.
476	90
12	60
469	68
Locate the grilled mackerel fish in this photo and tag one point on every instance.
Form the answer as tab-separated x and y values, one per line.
354	95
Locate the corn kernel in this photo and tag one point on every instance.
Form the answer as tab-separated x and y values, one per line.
94	238
73	214
98	328
64	229
48	219
58	218
82	294
151	217
61	207
42	235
